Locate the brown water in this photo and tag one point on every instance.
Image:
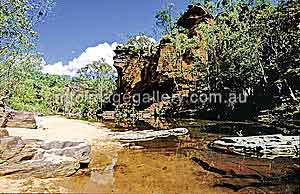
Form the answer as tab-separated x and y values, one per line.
165	166
158	168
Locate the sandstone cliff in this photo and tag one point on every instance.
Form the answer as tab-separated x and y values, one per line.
158	68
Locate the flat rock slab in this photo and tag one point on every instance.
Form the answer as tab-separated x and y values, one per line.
146	135
265	146
41	159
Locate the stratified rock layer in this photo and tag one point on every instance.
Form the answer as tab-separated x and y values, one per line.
265	146
159	69
24	158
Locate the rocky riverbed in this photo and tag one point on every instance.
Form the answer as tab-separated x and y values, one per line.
151	161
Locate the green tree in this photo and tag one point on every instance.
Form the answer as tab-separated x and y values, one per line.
17	57
252	49
97	80
40	93
166	19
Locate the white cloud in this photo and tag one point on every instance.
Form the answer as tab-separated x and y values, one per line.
90	55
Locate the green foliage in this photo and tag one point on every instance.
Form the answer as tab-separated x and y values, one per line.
22	83
252	49
17	19
39	93
81	97
97	83
126	115
219	6
15	70
166	18
17	59
183	44
232	49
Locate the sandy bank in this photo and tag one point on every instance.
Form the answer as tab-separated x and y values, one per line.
59	128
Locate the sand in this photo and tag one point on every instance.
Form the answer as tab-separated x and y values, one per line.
58	128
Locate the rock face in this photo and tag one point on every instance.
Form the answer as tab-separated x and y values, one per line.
195	15
134	68
25	158
157	69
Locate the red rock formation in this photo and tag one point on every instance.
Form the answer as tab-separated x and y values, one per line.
134	68
158	68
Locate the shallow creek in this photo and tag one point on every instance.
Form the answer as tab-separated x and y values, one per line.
168	166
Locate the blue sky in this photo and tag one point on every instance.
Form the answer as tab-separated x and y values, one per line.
76	25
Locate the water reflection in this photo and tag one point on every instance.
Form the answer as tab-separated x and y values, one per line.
197	126
181	165
105	178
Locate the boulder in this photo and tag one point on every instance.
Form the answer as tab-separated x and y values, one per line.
40	159
15	119
21	120
78	150
12	149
